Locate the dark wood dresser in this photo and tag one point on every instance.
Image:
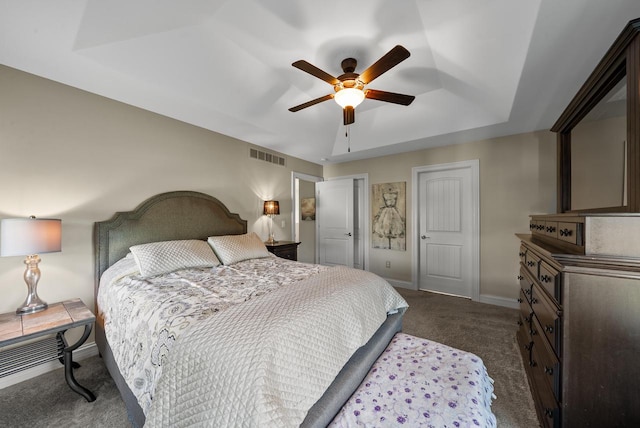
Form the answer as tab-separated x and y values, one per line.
579	332
284	249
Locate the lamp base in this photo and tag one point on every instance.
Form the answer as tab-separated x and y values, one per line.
32	308
32	303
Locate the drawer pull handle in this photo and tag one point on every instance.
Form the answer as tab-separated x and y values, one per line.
533	332
566	232
532	226
534	301
532	363
530	263
545	278
520	277
548	413
527	347
527	291
548	370
551	229
549	329
528	319
521	253
520	323
519	299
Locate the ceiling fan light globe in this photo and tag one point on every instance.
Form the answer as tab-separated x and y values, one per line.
349	97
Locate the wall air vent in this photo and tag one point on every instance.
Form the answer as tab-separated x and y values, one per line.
267	157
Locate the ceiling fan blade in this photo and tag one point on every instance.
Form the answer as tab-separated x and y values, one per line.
315	71
392	58
310	103
390	97
348	115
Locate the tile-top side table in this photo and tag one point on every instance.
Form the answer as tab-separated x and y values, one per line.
22	345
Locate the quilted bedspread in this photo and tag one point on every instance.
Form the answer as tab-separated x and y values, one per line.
274	356
144	317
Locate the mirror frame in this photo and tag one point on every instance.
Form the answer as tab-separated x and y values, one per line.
622	59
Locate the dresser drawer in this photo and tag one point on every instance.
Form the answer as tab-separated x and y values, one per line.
551	229
532	262
549	316
546	404
524	343
525	283
568	232
522	254
536	226
545	360
549	278
526	312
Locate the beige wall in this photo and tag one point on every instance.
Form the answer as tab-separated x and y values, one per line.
68	154
517	178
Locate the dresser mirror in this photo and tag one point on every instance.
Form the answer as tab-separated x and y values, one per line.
599	134
599	153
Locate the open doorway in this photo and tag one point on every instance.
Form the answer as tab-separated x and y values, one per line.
303	188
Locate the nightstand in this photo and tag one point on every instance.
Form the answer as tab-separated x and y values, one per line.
284	249
19	350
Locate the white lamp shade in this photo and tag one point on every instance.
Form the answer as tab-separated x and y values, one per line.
28	236
349	97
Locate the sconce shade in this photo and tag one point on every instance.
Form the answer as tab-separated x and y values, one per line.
28	236
271	208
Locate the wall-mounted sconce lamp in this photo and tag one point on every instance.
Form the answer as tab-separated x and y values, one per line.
30	237
271	208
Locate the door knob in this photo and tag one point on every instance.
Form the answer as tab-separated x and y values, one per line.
425	237
348	234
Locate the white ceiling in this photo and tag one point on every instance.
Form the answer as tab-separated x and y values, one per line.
478	68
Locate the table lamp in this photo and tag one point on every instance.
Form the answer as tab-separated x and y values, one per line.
271	208
30	237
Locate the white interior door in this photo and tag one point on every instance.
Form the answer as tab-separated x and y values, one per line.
445	203
334	217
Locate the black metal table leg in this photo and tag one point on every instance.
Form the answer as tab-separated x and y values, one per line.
69	365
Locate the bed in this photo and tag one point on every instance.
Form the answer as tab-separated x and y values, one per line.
189	383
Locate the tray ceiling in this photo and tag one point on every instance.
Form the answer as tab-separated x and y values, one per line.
478	69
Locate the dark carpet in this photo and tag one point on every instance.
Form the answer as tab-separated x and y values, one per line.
486	330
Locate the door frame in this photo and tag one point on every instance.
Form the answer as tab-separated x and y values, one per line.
366	218
474	166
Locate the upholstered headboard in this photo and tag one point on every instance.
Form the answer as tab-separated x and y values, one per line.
164	217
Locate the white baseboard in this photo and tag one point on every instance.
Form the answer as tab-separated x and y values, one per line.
85	351
499	301
484	298
401	284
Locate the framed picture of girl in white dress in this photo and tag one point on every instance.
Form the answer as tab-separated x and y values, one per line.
388	211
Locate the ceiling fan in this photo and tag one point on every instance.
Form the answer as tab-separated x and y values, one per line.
350	87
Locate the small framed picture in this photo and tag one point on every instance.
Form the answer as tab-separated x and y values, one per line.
308	209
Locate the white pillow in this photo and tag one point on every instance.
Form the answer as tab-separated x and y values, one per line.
232	249
157	258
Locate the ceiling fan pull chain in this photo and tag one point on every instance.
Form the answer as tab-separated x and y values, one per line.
347	134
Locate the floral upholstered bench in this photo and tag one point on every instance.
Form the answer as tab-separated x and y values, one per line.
417	382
